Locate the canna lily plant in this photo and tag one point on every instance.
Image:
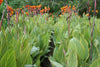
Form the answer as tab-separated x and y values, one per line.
30	42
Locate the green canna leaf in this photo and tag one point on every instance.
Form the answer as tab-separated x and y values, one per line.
79	48
8	60
72	60
96	63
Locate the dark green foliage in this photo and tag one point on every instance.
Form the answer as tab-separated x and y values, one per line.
55	5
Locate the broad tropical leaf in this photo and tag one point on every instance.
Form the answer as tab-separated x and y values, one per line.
72	59
96	63
79	47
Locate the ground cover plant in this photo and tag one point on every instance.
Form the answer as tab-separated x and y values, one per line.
34	37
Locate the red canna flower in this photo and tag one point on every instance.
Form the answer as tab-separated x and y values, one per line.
27	6
1	2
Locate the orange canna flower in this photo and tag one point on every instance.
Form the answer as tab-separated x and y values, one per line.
92	10
49	13
34	12
73	6
46	18
34	7
62	13
14	9
89	7
62	9
48	9
41	11
11	13
69	10
65	10
39	6
20	8
96	11
31	7
28	8
22	12
17	9
17	13
66	6
75	13
79	15
87	14
52	16
30	11
9	8
89	10
27	13
69	6
45	9
59	15
84	13
24	7
1	2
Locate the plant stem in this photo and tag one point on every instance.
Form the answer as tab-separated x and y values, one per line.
92	31
69	23
2	18
8	16
89	13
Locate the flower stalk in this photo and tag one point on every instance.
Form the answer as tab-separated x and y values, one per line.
2	18
8	16
89	12
92	31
